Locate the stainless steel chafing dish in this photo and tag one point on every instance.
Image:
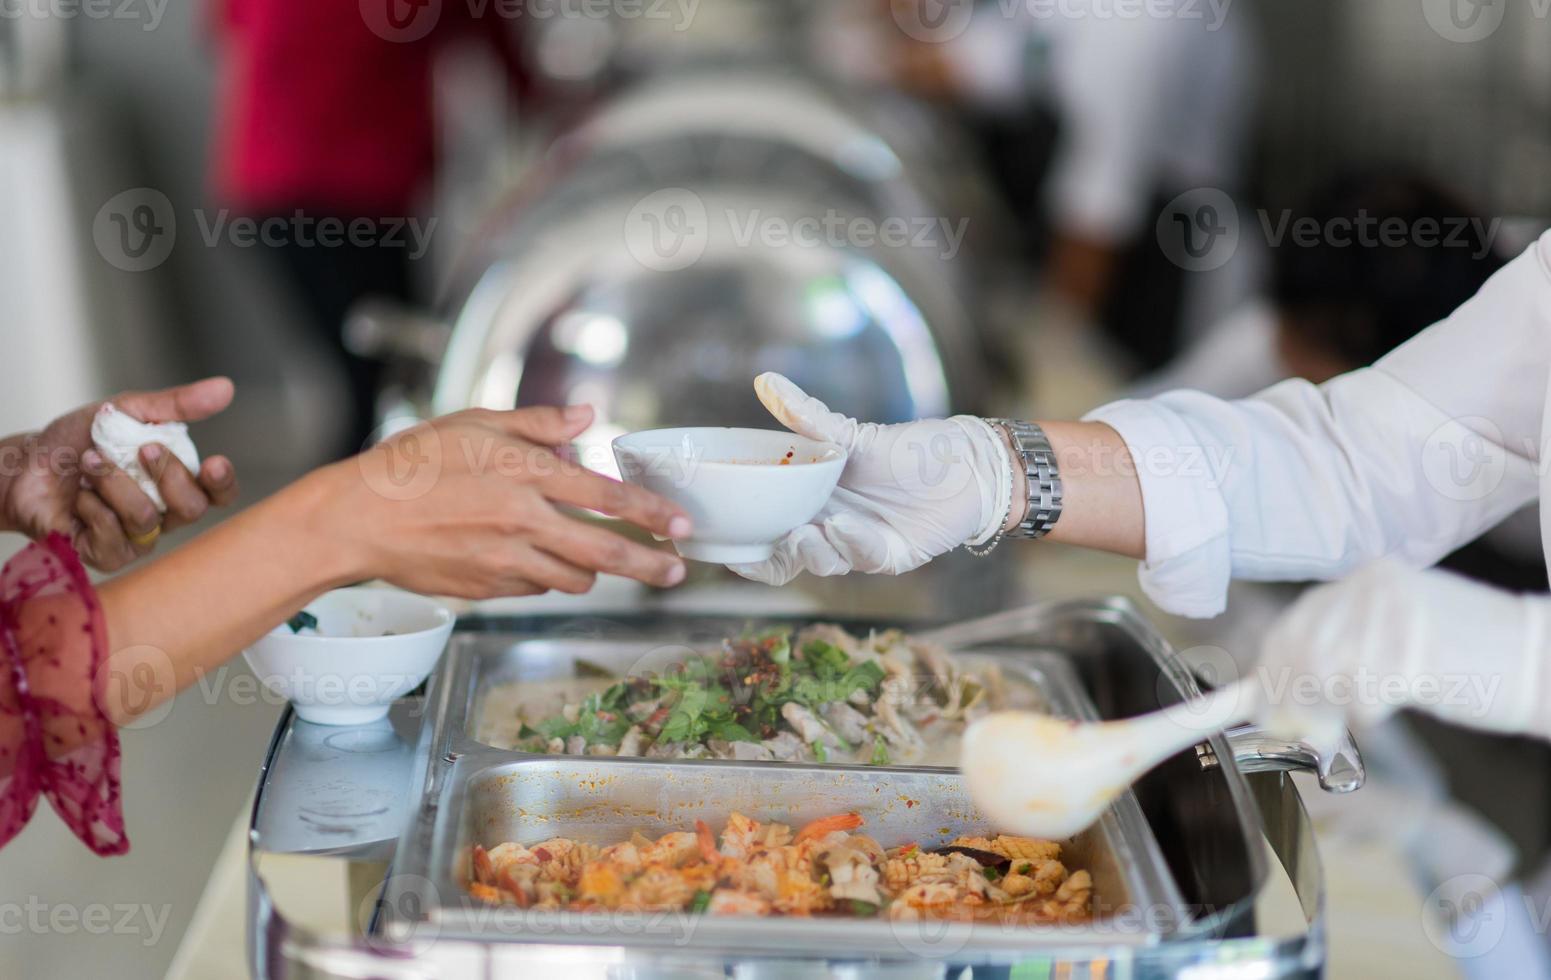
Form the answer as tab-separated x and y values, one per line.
1178	863
635	268
490	798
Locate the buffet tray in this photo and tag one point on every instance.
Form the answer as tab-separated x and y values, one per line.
486	796
488	664
604	801
1186	849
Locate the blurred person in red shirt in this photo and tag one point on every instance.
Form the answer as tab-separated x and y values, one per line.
326	121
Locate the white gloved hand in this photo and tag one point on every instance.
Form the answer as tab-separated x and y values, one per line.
909	492
1391	636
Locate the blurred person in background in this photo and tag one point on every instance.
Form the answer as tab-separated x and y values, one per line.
326	112
1336	303
1332	306
1090	121
477	531
1342	300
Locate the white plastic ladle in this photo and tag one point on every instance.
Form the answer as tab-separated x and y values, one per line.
1047	777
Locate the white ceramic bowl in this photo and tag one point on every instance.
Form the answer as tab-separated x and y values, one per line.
352	672
733	484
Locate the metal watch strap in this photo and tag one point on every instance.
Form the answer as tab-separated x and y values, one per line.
1032	446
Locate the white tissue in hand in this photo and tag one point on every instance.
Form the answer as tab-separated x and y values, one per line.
119	437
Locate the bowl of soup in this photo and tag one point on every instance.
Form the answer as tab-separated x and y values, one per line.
745	489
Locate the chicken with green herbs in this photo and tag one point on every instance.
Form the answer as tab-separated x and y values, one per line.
819	695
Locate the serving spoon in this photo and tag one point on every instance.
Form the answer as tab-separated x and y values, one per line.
1047	777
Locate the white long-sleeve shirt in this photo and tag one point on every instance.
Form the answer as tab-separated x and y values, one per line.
1412	457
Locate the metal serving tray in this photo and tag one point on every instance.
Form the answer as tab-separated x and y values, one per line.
1209	821
603	802
487	797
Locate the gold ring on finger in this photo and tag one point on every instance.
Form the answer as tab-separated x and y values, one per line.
147	539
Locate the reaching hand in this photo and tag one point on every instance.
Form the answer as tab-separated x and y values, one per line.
470	505
54	480
909	493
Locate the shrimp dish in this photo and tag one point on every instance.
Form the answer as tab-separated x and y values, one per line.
826	868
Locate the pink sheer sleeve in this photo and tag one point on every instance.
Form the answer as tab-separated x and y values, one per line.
54	740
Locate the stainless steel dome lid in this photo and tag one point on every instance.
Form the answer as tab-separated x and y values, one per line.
593	315
661	260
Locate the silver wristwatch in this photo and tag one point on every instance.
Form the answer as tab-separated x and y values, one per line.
1044	478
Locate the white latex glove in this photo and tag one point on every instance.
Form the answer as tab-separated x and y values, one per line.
1391	636
909	493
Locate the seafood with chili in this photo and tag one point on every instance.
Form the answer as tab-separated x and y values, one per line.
826	868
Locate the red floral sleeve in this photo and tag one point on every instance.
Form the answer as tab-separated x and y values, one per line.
54	739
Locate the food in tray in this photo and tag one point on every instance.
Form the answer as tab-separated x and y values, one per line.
825	868
819	695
